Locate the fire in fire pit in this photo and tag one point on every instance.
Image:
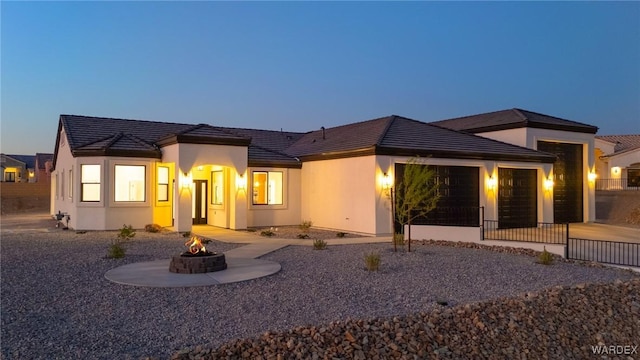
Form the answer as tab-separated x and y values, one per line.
197	259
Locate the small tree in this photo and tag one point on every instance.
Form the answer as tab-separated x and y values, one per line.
416	194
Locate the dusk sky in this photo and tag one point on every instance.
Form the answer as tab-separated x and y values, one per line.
302	65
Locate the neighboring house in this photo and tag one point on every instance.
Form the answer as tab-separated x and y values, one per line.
109	172
43	165
572	142
17	168
617	161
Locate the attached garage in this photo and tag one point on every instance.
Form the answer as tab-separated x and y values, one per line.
567	188
517	198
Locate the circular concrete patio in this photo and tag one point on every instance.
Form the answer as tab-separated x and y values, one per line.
156	273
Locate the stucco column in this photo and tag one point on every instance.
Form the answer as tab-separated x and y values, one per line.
238	201
183	203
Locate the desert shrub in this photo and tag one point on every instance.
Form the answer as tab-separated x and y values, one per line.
305	226
117	249
319	244
398	239
126	232
152	228
372	261
267	233
545	257
303	236
340	234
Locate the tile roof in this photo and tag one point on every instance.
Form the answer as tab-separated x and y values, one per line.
42	158
512	119
390	135
28	160
623	143
396	135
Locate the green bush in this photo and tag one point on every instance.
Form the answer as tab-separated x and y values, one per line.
545	257
116	251
152	228
319	244
398	239
126	233
267	233
305	226
372	261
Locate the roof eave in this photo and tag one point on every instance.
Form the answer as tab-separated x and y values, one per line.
275	164
532	124
464	155
153	154
193	139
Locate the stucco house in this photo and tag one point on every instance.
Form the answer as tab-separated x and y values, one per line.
17	168
109	172
617	161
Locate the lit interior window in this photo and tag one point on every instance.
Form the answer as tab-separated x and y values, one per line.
163	183
129	184
267	188
90	182
217	187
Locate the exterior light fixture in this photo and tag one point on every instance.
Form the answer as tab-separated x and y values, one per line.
615	170
185	180
386	181
492	183
241	182
592	176
548	184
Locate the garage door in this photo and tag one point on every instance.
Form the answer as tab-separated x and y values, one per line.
517	198
567	178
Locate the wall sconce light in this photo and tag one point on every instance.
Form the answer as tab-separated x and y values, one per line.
185	180
241	182
615	170
548	184
592	176
492	183
387	182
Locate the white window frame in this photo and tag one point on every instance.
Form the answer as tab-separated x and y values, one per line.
285	187
99	183
167	184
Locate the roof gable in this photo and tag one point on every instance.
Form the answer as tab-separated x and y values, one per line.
513	119
623	143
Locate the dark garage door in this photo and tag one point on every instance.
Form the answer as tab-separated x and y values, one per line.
567	181
517	198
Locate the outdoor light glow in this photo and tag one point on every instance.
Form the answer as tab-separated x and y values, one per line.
615	170
492	182
548	184
387	182
185	180
241	182
592	176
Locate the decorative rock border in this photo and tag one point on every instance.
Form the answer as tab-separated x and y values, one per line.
197	264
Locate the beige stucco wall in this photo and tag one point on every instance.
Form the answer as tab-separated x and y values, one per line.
340	194
289	213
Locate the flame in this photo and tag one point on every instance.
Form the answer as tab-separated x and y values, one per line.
195	245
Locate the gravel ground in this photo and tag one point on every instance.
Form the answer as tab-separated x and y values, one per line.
56	302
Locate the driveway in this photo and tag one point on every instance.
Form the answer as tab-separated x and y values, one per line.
606	232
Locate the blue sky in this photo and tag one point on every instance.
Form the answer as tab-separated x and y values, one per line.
302	65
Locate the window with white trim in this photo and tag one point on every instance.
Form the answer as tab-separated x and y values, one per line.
217	187
89	183
267	188
129	183
163	183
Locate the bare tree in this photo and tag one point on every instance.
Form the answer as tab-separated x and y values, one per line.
416	193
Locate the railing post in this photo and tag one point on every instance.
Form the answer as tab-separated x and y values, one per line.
482	222
566	247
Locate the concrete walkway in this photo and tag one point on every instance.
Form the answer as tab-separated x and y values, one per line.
242	262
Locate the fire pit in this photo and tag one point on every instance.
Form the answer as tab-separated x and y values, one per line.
197	259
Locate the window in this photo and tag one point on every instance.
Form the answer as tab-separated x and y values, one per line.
129	183
10	176
70	184
267	188
163	183
633	177
90	182
217	187
62	184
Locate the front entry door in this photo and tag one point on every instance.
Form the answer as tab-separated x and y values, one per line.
199	200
